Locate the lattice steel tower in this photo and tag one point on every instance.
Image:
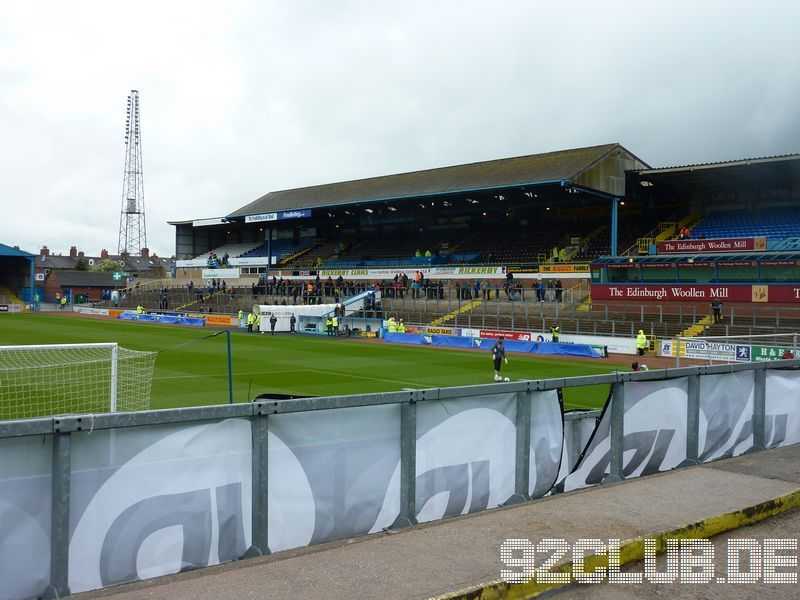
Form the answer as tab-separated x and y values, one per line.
132	231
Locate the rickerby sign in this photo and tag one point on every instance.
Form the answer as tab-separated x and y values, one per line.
428	272
697	293
718	245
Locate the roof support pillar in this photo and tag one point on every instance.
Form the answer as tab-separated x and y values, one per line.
269	251
32	262
614	224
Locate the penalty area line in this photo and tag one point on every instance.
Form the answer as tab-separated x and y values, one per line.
409	383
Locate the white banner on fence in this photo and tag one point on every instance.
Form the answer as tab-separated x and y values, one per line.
85	310
547	441
655	434
25	492
782	408
329	473
465	457
148	501
726	415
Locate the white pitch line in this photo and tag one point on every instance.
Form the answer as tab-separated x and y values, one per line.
573	405
267	372
235	374
417	386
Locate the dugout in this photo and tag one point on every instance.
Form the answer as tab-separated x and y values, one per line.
16	277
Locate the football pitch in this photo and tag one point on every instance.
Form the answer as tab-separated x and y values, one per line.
191	367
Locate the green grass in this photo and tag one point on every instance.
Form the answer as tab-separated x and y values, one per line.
192	371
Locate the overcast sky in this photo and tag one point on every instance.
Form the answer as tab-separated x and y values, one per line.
242	98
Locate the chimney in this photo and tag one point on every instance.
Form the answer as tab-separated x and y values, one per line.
103	253
145	252
81	254
45	251
73	252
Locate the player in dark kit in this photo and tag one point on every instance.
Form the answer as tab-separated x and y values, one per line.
499	355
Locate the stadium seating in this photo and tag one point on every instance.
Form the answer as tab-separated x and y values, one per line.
232	250
399	248
780	222
279	248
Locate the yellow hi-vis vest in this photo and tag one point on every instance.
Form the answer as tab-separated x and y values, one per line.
641	341
391	326
251	318
401	327
335	321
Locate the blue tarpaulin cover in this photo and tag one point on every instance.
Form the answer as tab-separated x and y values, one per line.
453	341
405	338
170	319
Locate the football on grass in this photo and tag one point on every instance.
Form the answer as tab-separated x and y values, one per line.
506	379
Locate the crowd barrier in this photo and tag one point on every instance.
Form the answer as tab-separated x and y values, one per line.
89	501
455	341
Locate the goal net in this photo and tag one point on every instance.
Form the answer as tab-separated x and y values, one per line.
729	349
37	381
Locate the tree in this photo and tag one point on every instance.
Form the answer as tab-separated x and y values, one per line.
108	265
81	265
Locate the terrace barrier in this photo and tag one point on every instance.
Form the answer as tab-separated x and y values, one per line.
89	501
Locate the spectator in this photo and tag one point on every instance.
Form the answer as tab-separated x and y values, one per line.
641	343
716	308
273	320
639	367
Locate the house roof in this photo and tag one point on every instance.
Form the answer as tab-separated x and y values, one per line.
534	169
131	263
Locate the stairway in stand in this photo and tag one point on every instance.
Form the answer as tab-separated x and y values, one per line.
452	315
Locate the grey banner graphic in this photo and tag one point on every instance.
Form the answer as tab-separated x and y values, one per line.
25	492
151	500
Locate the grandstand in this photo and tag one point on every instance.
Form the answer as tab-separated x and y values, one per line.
775	222
16	278
486	223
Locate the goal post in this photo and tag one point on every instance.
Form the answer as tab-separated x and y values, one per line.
735	348
44	380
